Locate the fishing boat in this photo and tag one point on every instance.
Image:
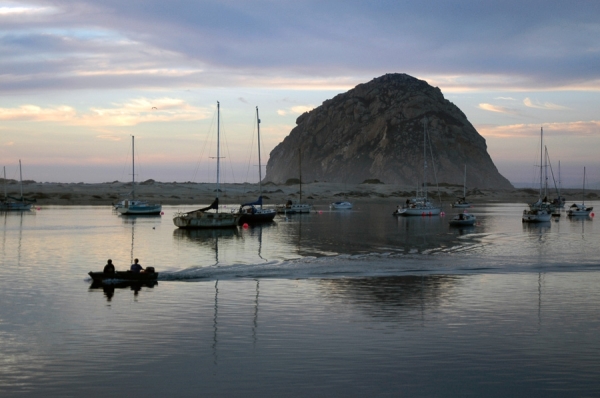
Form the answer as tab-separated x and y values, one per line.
124	275
290	207
580	209
205	217
131	207
253	212
538	211
16	204
463	219
340	205
461	202
420	205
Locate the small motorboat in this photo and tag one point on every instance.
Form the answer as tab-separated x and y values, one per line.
340	205
463	219
148	275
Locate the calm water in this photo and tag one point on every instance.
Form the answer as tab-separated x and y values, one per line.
336	303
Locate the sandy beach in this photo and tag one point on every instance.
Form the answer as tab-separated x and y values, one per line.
318	193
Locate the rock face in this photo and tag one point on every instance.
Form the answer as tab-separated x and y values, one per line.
376	130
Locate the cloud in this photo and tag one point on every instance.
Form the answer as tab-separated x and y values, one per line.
136	111
565	129
9	143
495	108
546	105
295	110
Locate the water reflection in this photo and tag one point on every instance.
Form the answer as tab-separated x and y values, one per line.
109	288
394	297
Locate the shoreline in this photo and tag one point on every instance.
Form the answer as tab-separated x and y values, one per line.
318	193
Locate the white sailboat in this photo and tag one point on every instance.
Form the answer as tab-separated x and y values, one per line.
253	212
205	218
290	207
133	207
537	212
580	209
462	202
420	205
19	204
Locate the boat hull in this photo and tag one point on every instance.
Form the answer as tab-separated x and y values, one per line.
263	216
150	210
294	209
466	221
124	276
536	216
461	205
15	206
424	211
199	220
341	205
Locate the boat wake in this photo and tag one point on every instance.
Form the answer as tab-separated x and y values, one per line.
374	265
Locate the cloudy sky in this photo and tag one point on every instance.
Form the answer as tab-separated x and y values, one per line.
79	78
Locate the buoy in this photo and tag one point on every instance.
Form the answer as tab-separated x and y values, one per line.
162	213
430	214
320	211
423	214
592	214
245	226
442	214
39	208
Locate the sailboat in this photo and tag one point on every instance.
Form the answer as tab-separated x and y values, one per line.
204	218
21	203
290	207
462	203
420	205
538	211
253	212
579	209
133	207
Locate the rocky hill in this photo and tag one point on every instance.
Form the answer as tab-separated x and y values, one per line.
375	131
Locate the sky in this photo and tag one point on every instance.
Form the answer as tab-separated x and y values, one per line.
79	78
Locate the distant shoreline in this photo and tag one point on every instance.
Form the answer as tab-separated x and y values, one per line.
318	193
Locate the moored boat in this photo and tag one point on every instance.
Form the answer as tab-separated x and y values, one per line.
133	207
203	218
463	219
420	205
580	209
340	205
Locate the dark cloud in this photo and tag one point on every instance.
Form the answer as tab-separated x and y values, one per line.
547	44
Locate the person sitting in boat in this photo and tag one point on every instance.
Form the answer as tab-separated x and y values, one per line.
109	268
136	267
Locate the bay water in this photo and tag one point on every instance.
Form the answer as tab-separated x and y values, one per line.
332	303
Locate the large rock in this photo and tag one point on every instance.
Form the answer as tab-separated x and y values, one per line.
375	131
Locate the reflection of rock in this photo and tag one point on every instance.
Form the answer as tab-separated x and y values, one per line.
392	296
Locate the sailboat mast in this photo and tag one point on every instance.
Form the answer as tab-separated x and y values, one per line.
218	146
259	163
300	170
133	167
541	154
465	184
546	172
583	199
21	180
425	158
5	193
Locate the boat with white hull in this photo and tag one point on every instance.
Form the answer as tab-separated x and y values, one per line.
538	211
580	209
420	205
133	207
